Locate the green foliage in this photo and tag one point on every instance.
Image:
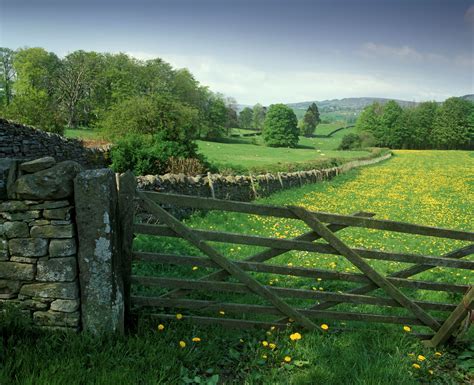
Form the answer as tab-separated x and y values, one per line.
150	115
310	120
281	127
258	116
7	74
350	142
149	154
449	126
454	124
214	118
246	118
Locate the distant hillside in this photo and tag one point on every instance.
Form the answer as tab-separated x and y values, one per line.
468	97
347	104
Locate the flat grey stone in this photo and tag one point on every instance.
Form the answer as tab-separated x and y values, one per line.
65	305
62	247
17	271
22	216
63	213
57	290
54	183
38	164
16	229
28	247
57	270
53	318
12	206
52	231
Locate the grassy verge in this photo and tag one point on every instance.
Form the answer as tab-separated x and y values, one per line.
426	187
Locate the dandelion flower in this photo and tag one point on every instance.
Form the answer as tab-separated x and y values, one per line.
421	357
416	366
287	359
407	328
430	372
272	346
295	336
195	267
161	327
196	339
272	328
221	312
179	316
264	356
324	327
438	354
182	344
265	343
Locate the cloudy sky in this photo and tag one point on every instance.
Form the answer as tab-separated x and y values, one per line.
270	51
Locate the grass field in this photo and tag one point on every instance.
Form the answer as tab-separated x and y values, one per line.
426	187
249	153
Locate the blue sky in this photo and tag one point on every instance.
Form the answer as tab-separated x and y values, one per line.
271	50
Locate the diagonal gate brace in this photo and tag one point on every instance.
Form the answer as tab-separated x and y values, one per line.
225	264
316	225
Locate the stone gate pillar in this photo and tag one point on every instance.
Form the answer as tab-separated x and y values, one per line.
102	298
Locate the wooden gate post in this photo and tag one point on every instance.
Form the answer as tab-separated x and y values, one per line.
126	193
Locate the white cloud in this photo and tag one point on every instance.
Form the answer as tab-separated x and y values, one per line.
250	85
469	15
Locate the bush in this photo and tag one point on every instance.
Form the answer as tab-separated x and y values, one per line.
151	115
280	128
367	139
350	141
146	155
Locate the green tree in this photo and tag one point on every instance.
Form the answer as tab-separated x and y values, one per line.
77	80
453	124
281	127
390	124
258	116
246	117
370	120
144	115
35	101
214	117
310	120
424	115
7	75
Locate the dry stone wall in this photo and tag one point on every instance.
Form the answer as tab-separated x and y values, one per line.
27	143
38	243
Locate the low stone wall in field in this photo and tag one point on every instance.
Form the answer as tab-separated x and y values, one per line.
27	143
245	187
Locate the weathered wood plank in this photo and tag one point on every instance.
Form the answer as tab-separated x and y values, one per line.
453	321
230	267
127	186
180	260
316	225
271	253
283	212
282	292
401	276
236	308
301	245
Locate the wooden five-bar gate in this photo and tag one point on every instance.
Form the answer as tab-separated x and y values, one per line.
322	226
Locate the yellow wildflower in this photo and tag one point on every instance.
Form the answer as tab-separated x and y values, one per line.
161	327
179	316
295	336
221	312
182	344
196	339
407	328
324	327
421	357
264	356
430	372
195	267
438	354
287	359
272	346
416	366
265	343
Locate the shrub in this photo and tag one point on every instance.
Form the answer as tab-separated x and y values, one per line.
367	139
350	141
146	154
280	128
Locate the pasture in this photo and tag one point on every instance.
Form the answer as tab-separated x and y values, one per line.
250	154
425	187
